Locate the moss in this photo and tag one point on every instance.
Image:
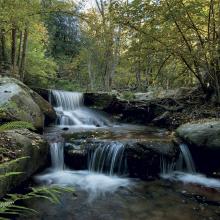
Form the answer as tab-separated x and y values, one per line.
128	96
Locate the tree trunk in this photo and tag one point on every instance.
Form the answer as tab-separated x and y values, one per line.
20	49
138	75
13	48
3	47
23	57
90	74
115	56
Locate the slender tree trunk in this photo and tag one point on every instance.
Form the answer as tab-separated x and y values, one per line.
90	74
138	75
23	57
20	49
13	48
3	47
115	56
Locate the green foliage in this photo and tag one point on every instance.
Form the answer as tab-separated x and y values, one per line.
41	70
128	95
9	206
115	45
68	85
16	125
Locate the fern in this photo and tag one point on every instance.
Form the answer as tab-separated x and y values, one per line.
16	125
6	164
8	205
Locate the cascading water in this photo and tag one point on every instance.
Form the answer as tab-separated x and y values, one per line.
184	170
186	157
71	111
184	163
108	158
57	155
96	184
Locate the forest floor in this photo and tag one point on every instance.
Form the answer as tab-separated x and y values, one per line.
190	106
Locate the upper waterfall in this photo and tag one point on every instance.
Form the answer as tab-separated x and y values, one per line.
72	112
67	100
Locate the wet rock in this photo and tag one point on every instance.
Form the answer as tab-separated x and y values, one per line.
22	103
143	157
203	138
65	129
99	100
31	152
75	155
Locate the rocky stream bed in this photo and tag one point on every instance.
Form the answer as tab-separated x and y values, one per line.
118	170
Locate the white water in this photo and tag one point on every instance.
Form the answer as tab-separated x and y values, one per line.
71	111
184	163
108	158
96	184
57	158
193	178
187	157
184	170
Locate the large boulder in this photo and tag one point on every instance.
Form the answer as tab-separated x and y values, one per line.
22	154
204	134
203	138
19	102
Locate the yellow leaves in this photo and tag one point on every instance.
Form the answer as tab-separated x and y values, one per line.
39	32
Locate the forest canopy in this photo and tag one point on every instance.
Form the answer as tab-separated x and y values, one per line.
112	45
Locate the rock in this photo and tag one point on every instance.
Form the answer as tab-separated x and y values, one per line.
46	107
143	157
161	119
31	151
45	93
75	156
201	134
99	100
19	102
203	138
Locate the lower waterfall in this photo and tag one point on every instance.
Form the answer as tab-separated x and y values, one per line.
93	180
57	155
184	170
108	158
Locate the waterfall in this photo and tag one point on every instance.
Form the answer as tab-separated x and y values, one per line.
57	155
187	158
108	158
184	163
71	111
67	101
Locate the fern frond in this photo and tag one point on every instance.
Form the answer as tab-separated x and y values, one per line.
6	164
8	205
16	125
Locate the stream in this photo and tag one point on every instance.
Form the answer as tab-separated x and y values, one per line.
104	190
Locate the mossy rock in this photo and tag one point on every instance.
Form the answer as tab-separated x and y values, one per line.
19	102
31	151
